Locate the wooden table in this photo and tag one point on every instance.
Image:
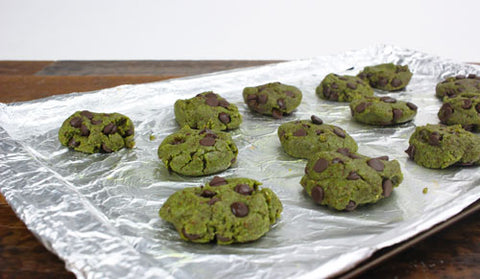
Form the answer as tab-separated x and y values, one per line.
451	249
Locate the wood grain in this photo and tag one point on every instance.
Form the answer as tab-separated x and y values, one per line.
451	253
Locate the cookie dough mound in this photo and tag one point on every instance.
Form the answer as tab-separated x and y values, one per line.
275	99
439	146
225	211
207	110
197	152
453	86
304	138
342	88
382	111
344	180
91	132
461	110
388	77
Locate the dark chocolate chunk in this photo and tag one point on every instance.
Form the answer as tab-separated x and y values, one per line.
190	236
471	76
337	160
318	132
460	77
376	164
243	189
387	187
110	129
467	104
339	132
223	103
396	82
281	103
73	143
224	117
318	194
361	107
129	132
217	181
277	114
353	176
445	112
213	200
320	165
334	85
106	149
252	97
207	193
86	114
177	141
434	139
213	102
289	93
222	238
316	120
384	158
84	131
351	206
76	122
207	141
388	100
262	99
397	114
412	106
300	133
410	151
239	209
351	85
96	122
382	81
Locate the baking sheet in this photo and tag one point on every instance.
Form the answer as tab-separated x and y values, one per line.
100	212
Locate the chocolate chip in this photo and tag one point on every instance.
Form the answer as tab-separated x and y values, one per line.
277	114
396	82
397	114
344	151
207	193
84	131
213	102
460	77
382	81
361	107
362	75
387	187
243	189
353	176
316	120
471	76
252	97
239	209
190	236
351	85
212	201
73	143
384	158
224	103
318	132
339	132
326	92
281	103
76	122
217	181
300	133
224	117
96	122
410	151
262	99
318	194
207	141
320	165
445	112
342	77
337	160
412	106
177	141
467	104
87	114
222	238
434	139
110	129
129	132
334	96
289	94
208	133
477	108
334	85
388	100
376	164
106	149
351	206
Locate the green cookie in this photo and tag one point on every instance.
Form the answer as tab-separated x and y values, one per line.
343	180
304	138
454	86
91	132
439	146
388	77
461	110
197	152
342	88
273	99
225	210
382	111
207	110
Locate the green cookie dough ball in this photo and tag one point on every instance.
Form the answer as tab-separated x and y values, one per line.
273	99
197	152
439	146
461	110
304	138
343	88
388	77
382	111
227	211
343	180
207	110
91	132
453	86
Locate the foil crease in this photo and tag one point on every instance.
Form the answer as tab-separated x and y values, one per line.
99	212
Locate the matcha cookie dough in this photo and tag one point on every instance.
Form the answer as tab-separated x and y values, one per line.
461	110
439	146
453	86
382	111
344	180
225	211
91	132
303	138
273	99
197	152
388	77
342	88
207	110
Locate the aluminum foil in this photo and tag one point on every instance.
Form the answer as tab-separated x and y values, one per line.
99	212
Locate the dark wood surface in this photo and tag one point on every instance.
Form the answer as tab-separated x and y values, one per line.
451	252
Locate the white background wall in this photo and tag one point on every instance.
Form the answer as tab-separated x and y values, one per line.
248	29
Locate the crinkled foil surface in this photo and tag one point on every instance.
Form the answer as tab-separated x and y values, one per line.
100	212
